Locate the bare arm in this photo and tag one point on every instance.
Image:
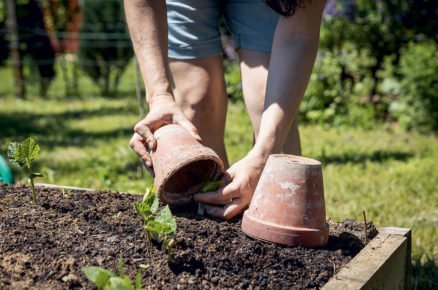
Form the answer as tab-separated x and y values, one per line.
147	23
293	56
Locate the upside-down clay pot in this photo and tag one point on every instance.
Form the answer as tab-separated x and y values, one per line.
182	165
288	204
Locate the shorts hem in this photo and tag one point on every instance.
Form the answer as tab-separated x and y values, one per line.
192	53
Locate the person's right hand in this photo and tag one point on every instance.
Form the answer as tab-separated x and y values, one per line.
163	110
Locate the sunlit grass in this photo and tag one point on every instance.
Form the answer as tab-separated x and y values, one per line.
390	174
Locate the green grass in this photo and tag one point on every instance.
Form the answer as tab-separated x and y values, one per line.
391	174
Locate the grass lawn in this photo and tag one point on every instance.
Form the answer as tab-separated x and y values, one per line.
392	175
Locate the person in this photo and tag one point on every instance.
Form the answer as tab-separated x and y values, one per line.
184	79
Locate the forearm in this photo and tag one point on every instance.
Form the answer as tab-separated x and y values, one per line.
147	25
293	55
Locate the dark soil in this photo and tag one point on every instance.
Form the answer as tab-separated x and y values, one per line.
45	246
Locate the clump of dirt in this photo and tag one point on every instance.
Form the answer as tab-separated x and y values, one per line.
44	246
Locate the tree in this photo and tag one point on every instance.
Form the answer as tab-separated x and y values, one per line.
105	46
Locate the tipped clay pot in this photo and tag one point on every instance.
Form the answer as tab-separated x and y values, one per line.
288	204
182	165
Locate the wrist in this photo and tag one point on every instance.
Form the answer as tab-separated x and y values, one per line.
263	147
259	154
153	99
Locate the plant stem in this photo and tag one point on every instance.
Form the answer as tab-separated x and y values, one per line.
30	180
34	199
365	226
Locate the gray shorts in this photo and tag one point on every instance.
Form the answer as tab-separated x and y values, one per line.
194	26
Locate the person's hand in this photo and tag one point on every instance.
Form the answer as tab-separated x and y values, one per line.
233	198
163	110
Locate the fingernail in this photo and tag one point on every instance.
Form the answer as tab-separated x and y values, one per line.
148	163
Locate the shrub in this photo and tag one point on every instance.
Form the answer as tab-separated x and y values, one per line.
417	106
105	47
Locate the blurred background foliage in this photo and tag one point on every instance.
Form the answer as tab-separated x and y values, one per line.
378	60
371	103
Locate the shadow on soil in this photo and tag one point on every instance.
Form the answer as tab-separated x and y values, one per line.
425	276
355	157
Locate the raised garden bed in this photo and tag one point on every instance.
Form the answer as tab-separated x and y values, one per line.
45	246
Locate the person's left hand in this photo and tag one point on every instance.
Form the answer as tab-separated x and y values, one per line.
234	197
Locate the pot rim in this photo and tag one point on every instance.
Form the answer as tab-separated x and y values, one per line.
185	198
288	236
296	159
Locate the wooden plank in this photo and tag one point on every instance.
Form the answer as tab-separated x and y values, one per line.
406	232
382	264
65	187
47	185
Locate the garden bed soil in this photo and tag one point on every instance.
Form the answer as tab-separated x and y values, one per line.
44	246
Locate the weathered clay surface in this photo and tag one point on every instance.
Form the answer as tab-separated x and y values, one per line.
182	165
288	204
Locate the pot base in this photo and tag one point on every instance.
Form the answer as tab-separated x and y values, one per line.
287	236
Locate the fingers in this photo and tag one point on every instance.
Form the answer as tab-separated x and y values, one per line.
221	196
226	212
137	144
146	134
186	124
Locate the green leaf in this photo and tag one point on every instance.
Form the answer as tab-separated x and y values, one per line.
138	280
156	229
12	149
28	150
148	205
118	283
212	185
165	217
98	275
36	174
120	266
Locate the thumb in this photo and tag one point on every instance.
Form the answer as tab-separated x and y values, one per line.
187	125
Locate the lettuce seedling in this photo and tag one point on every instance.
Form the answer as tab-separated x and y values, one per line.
22	154
208	186
107	280
162	228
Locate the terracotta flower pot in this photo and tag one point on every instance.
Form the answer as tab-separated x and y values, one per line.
182	165
288	204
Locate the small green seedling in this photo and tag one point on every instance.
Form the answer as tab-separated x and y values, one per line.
160	225
162	228
107	280
22	154
147	207
208	186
